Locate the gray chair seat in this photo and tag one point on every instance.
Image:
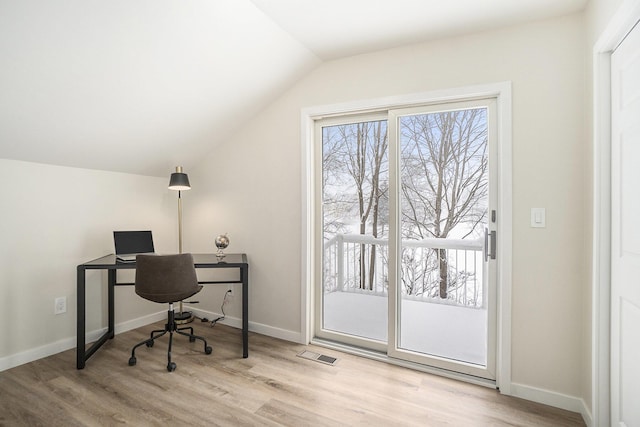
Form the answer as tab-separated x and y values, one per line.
167	279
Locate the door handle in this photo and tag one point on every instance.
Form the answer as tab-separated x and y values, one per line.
493	245
489	245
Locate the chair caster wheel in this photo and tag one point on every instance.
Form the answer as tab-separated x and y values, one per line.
149	344
171	367
192	339
208	350
132	361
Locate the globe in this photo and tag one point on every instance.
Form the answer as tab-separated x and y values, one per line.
222	242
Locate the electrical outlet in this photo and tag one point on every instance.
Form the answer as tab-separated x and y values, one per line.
228	295
60	305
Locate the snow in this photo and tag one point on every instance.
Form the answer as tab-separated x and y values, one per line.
442	330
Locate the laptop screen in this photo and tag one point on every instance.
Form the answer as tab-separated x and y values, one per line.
133	242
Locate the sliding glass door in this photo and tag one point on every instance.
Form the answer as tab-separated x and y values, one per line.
406	209
441	215
355	227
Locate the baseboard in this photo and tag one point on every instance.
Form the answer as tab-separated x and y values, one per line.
30	355
552	398
140	321
65	344
586	414
283	334
236	322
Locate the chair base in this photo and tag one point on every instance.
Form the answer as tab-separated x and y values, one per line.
171	326
184	317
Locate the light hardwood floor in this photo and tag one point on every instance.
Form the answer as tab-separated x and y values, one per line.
273	387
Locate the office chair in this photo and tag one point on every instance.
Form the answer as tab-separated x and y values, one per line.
167	279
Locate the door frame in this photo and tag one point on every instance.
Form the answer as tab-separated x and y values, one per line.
618	27
502	92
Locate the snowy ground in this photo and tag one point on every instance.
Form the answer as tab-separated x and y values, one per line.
437	329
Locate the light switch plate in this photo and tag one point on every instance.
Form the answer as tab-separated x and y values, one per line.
538	218
60	305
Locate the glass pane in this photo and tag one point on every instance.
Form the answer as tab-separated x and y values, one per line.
355	229
444	203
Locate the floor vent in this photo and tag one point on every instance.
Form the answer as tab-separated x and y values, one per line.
328	360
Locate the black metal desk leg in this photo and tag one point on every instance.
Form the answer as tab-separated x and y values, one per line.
80	318
245	311
111	298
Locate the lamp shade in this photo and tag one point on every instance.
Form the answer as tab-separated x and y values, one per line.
179	181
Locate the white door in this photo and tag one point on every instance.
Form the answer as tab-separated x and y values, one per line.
625	232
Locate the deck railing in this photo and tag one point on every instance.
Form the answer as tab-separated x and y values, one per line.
359	263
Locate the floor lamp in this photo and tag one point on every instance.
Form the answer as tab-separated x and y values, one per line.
180	182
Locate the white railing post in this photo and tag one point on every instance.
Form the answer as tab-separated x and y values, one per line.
340	261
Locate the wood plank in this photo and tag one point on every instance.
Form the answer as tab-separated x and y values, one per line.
273	387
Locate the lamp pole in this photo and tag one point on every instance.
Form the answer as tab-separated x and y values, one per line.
180	181
179	221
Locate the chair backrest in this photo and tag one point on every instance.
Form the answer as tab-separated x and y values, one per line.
166	278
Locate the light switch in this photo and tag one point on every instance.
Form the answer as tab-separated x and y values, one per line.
538	219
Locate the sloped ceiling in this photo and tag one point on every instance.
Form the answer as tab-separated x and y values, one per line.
140	86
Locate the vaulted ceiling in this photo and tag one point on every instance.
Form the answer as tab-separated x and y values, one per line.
140	86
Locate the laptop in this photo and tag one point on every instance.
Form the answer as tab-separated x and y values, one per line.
129	244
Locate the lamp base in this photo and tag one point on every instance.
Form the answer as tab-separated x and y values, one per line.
184	317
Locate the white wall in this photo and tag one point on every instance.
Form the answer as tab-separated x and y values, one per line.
598	14
251	186
54	218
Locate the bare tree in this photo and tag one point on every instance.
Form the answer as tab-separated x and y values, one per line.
336	203
443	174
359	151
443	188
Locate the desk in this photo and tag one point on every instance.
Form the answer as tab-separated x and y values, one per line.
110	264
